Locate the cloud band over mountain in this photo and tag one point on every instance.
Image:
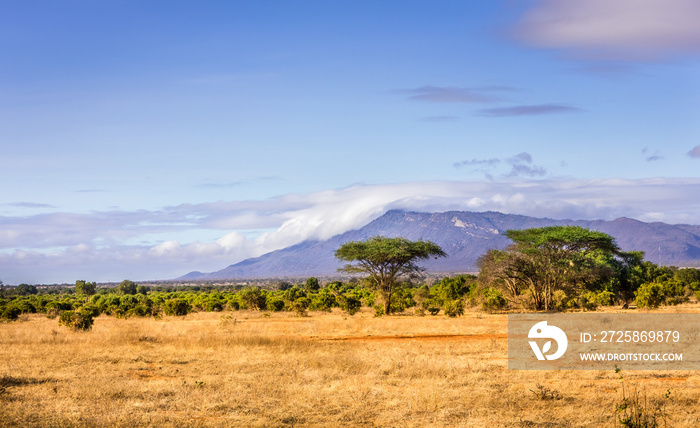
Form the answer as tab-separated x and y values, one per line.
150	244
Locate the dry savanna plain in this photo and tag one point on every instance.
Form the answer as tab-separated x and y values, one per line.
249	368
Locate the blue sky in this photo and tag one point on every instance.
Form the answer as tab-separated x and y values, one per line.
146	139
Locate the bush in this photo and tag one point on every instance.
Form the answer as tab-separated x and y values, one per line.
177	307
139	310
24	306
79	320
350	305
254	298
453	308
674	292
323	301
10	312
492	300
561	301
300	305
605	298
650	295
275	304
588	301
431	306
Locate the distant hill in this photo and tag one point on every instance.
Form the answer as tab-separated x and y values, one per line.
464	236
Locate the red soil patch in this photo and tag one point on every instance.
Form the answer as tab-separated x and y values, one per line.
439	337
660	379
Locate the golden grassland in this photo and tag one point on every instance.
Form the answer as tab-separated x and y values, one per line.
329	369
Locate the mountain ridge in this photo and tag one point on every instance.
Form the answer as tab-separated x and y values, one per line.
465	236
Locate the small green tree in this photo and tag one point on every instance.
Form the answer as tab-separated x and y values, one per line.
127	287
385	260
84	287
312	284
254	298
26	289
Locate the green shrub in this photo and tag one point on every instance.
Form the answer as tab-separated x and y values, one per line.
24	306
562	301
453	308
212	305
254	298
650	295
588	301
78	320
139	310
431	306
674	292
275	304
492	300
350	305
10	312
378	310
177	307
300	305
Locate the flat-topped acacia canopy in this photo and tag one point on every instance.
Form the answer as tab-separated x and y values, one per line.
386	259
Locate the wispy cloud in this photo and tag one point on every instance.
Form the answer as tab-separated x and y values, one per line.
440	119
28	205
219	185
520	165
452	94
528	110
657	156
694	152
613	30
477	162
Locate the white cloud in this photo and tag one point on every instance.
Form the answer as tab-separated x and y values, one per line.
64	247
614	30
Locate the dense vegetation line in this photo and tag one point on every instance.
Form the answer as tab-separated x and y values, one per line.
552	269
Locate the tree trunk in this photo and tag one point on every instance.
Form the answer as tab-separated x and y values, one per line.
387	300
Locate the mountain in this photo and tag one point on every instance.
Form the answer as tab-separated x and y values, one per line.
464	236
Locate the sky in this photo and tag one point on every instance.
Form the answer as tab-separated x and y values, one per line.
147	139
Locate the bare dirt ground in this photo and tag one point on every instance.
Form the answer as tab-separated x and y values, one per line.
328	369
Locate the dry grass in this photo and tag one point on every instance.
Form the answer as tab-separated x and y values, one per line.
244	369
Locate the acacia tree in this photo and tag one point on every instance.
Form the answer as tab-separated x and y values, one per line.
543	260
385	260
